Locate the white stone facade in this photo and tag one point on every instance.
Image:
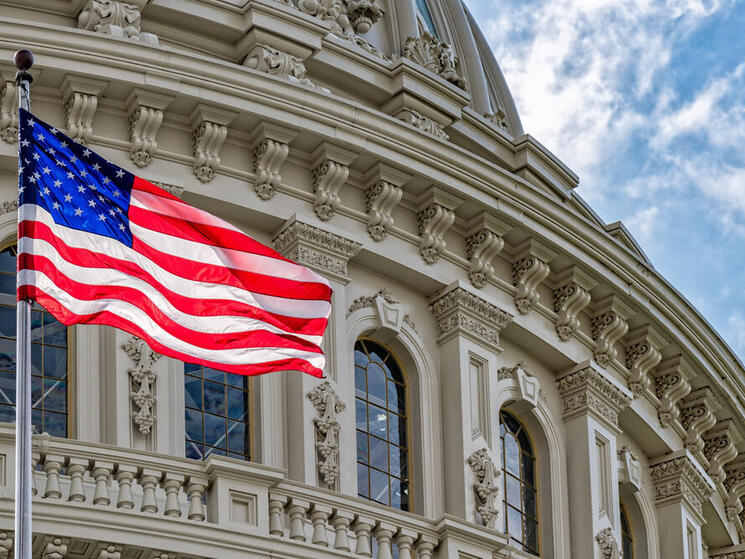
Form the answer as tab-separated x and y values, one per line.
389	157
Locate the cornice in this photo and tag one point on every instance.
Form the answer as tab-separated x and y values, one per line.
677	477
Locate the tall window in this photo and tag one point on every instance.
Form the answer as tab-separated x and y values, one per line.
627	535
520	488
217	413
382	443
49	379
426	16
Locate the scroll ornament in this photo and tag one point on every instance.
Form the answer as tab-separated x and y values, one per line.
143	381
485	487
329	405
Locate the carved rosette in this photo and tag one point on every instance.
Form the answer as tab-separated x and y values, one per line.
54	547
380	199
459	312
269	60
145	117
697	416
642	355
423	123
486	487
670	386
9	112
436	56
483	243
588	391
142	383
719	448
529	269
116	18
609	325
678	479
328	179
320	250
734	484
328	405
569	300
606	539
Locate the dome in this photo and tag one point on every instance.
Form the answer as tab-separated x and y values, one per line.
507	375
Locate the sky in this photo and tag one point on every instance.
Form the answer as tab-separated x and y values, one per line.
645	101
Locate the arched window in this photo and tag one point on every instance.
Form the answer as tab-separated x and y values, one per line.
49	378
425	16
217	413
382	442
627	534
520	492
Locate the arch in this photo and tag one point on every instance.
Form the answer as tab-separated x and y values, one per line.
423	390
642	516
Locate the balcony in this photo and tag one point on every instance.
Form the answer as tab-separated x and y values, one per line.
97	500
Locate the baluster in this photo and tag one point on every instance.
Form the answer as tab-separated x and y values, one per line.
35	458
125	475
405	541
425	546
195	490
76	470
362	527
172	486
101	473
52	465
383	533
297	510
276	509
319	516
149	481
340	521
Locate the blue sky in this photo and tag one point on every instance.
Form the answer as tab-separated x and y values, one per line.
645	100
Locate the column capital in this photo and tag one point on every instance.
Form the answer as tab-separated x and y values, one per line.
320	250
586	389
460	312
678	478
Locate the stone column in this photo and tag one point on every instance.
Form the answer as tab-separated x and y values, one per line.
327	254
681	486
468	335
592	401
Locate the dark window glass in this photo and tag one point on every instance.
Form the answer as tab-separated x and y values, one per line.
380	404
49	380
627	535
426	15
519	494
217	413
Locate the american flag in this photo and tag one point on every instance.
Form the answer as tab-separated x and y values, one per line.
98	245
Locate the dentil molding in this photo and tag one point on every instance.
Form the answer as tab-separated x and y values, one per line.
486	487
142	382
328	405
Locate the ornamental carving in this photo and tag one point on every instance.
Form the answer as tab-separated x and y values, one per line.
9	112
80	96
8	206
630	471
53	547
527	384
569	300
499	119
142	382
432	223
436	56
328	405
728	555
145	118
207	141
316	248
387	307
642	355
697	416
679	479
363	14
423	123
6	544
719	448
606	539
174	189
527	274
486	487
734	484
380	200
269	156
609	325
670	387
459	312
112	17
589	391
109	551
277	63
328	179
482	248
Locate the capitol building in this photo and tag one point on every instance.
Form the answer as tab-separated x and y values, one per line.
507	375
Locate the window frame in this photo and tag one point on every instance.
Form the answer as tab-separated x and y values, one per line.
624	513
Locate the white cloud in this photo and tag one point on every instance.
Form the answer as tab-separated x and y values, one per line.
644	223
736	333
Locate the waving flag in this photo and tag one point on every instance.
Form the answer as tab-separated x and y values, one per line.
98	245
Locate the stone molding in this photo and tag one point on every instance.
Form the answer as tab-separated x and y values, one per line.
734	554
145	117
671	386
483	243
423	123
436	215
328	405
209	129
643	347
8	206
80	96
734	485
528	386
571	297
115	18
382	193
108	551
436	56
388	308
174	189
608	543
529	269
630	470
486	487
609	325
270	147
330	172
586	390
269	60
697	416
345	17
459	312
499	119
142	384
9	112
719	448
319	249
678	479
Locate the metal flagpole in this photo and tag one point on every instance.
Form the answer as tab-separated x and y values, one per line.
23	60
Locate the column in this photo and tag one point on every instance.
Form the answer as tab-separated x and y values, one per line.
592	401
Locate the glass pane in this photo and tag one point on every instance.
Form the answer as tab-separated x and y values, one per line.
36	392
531	536
36	350
7	414
395	493
8	283
193	369
529	507
36	321
214	430
511	455
378	421
360	358
362	453
237	437
379	453
524	440
396	429
8	322
8	261
379	487
237	404
37	421
194	450
55	362
514	523
8	355
529	469
361	414
399	466
214	398
193	392
624	520
7	388
239	381
511	423
360	380
396	398
376	386
55	424
628	547
55	395
194	425
512	490
213	374
404	495
363	486
54	332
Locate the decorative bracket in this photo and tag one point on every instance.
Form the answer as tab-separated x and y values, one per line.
143	382
486	487
529	269
270	145
210	128
609	324
629	471
671	386
115	18
145	117
80	96
436	215
108	551
383	191
483	243
9	111
719	448
606	539
571	297
643	347
697	412
328	405
330	172
6	544
54	547
734	483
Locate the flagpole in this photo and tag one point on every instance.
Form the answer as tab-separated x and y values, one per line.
23	60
